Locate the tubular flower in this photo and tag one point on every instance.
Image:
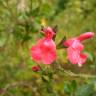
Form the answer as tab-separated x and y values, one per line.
45	49
75	47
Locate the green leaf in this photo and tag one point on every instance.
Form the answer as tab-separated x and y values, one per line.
67	89
73	84
30	62
2	41
90	56
85	90
45	78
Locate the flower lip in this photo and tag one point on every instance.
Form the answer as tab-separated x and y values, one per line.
44	51
75	56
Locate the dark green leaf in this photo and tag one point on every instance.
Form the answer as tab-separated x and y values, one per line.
85	90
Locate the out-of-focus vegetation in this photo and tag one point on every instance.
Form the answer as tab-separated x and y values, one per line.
20	24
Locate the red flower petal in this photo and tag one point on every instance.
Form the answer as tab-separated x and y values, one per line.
36	53
77	45
69	42
48	51
85	36
82	59
73	55
49	57
44	51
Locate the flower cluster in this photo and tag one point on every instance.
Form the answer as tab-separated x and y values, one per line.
44	51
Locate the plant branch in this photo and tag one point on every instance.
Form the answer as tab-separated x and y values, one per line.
72	74
14	84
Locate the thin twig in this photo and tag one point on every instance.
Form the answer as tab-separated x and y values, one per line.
14	84
79	75
70	73
82	75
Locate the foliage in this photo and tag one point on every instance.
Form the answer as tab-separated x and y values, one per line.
20	25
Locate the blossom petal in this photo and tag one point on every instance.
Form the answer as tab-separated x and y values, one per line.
73	55
77	45
69	42
49	57
44	51
36	53
82	59
48	52
85	36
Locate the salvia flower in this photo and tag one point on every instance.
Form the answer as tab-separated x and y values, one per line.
75	48
44	51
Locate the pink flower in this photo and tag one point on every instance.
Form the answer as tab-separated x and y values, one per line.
74	53
44	51
35	68
75	48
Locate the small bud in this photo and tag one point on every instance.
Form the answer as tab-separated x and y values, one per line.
35	68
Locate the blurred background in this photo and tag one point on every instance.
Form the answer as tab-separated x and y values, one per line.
20	25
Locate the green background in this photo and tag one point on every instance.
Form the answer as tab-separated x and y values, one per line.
20	24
